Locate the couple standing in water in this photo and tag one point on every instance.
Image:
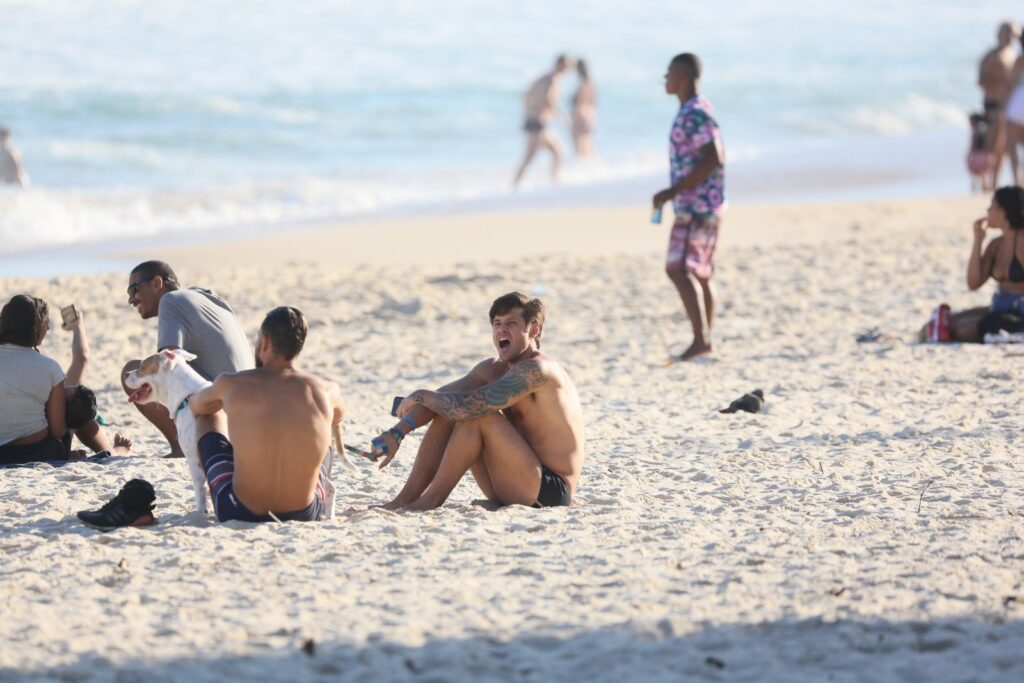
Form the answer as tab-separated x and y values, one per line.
541	108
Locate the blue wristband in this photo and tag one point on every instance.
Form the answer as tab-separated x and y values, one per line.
410	421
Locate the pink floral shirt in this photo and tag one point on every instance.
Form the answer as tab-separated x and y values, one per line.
693	128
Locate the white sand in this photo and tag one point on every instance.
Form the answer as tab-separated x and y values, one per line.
866	527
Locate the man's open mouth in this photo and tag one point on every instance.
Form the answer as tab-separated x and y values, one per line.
140	394
504	343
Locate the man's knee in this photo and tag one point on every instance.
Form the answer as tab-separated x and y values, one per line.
476	424
128	367
677	272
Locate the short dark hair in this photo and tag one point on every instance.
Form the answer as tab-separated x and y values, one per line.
151	269
562	60
286	329
581	69
23	320
690	62
80	407
1011	200
533	309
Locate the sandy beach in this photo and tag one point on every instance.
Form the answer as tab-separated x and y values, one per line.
865	527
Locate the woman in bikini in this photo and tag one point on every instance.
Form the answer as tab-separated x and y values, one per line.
584	112
1002	259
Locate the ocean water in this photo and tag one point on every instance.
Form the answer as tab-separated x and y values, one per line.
153	118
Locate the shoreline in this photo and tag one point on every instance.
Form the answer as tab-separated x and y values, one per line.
468	237
912	167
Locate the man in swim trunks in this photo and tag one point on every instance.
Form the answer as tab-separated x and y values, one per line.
994	80
697	159
541	105
281	420
514	421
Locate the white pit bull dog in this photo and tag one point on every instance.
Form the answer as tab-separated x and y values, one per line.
167	378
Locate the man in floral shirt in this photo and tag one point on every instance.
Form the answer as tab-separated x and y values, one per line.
697	159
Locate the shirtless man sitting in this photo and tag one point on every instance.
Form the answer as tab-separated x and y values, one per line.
514	421
281	420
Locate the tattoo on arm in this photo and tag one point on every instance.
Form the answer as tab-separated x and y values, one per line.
522	379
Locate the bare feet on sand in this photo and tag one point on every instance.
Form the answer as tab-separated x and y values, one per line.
122	444
694	351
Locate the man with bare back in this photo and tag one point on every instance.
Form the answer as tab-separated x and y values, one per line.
514	421
541	106
281	422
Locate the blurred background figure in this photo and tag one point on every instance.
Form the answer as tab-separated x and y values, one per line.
584	112
995	81
979	158
540	105
1013	118
11	171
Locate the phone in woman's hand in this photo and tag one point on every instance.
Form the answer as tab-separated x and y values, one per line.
68	315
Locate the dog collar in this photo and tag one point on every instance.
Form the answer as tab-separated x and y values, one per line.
181	407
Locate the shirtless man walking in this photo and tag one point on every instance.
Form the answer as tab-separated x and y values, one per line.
281	421
994	81
514	421
541	106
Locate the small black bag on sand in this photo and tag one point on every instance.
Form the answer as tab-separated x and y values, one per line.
750	403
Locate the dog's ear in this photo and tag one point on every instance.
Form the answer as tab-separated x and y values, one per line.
171	354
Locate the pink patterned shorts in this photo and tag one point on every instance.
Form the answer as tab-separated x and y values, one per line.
691	244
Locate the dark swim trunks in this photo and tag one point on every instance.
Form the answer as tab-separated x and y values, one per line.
47	450
217	456
533	126
554	491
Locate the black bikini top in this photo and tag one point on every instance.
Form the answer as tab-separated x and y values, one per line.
1015	273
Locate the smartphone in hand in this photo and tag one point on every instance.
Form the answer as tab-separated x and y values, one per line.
68	315
394	405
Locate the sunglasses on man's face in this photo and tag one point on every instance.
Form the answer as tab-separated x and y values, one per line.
133	287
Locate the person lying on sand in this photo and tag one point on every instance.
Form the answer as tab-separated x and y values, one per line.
80	412
514	421
281	421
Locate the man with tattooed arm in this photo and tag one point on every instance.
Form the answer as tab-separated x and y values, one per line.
514	421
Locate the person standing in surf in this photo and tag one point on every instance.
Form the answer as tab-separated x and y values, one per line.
697	193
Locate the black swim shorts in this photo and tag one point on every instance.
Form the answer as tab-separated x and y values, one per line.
554	491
